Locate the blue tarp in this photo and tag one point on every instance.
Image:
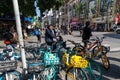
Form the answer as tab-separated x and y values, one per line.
28	19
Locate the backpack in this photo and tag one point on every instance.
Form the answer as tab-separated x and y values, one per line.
8	36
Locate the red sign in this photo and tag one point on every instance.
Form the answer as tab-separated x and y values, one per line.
117	19
74	20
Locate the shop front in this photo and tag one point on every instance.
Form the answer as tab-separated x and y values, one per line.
103	23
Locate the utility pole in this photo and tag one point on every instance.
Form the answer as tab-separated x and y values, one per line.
19	31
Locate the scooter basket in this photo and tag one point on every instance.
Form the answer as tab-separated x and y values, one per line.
8	65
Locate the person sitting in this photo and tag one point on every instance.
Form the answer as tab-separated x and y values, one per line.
50	36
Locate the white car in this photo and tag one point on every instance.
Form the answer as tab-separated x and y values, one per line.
114	27
117	30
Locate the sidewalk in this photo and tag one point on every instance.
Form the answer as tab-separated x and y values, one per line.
30	39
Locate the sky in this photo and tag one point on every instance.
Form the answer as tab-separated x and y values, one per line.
37	8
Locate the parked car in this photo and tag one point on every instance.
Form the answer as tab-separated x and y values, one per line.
117	30
114	27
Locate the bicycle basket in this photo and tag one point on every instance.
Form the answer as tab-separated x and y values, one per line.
51	59
8	65
35	66
78	62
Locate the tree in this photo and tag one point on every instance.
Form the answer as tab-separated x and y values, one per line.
79	8
6	8
27	8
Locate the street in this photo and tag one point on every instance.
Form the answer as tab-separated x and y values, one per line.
111	39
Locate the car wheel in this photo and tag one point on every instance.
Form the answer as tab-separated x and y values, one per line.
118	31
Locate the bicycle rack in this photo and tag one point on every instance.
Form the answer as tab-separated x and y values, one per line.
35	66
8	65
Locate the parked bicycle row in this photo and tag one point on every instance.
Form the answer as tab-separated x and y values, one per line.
47	62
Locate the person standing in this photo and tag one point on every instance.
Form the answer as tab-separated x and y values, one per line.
86	33
38	34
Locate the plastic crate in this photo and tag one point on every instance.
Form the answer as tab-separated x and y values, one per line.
51	59
8	65
78	62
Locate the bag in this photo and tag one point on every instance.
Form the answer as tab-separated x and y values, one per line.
8	36
37	32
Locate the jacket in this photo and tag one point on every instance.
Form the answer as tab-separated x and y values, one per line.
49	35
86	33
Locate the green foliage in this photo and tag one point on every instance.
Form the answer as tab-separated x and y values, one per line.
27	8
118	7
38	24
77	8
6	8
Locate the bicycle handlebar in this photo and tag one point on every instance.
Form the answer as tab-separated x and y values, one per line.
98	39
76	44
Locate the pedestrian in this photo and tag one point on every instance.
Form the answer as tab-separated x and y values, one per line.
11	37
38	34
86	33
50	36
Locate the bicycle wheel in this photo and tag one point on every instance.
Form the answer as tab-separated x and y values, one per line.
76	74
94	71
105	62
104	50
15	75
35	76
49	73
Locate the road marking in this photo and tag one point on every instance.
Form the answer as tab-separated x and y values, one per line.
115	49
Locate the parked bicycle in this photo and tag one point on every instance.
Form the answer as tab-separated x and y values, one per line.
98	50
74	64
8	70
93	70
